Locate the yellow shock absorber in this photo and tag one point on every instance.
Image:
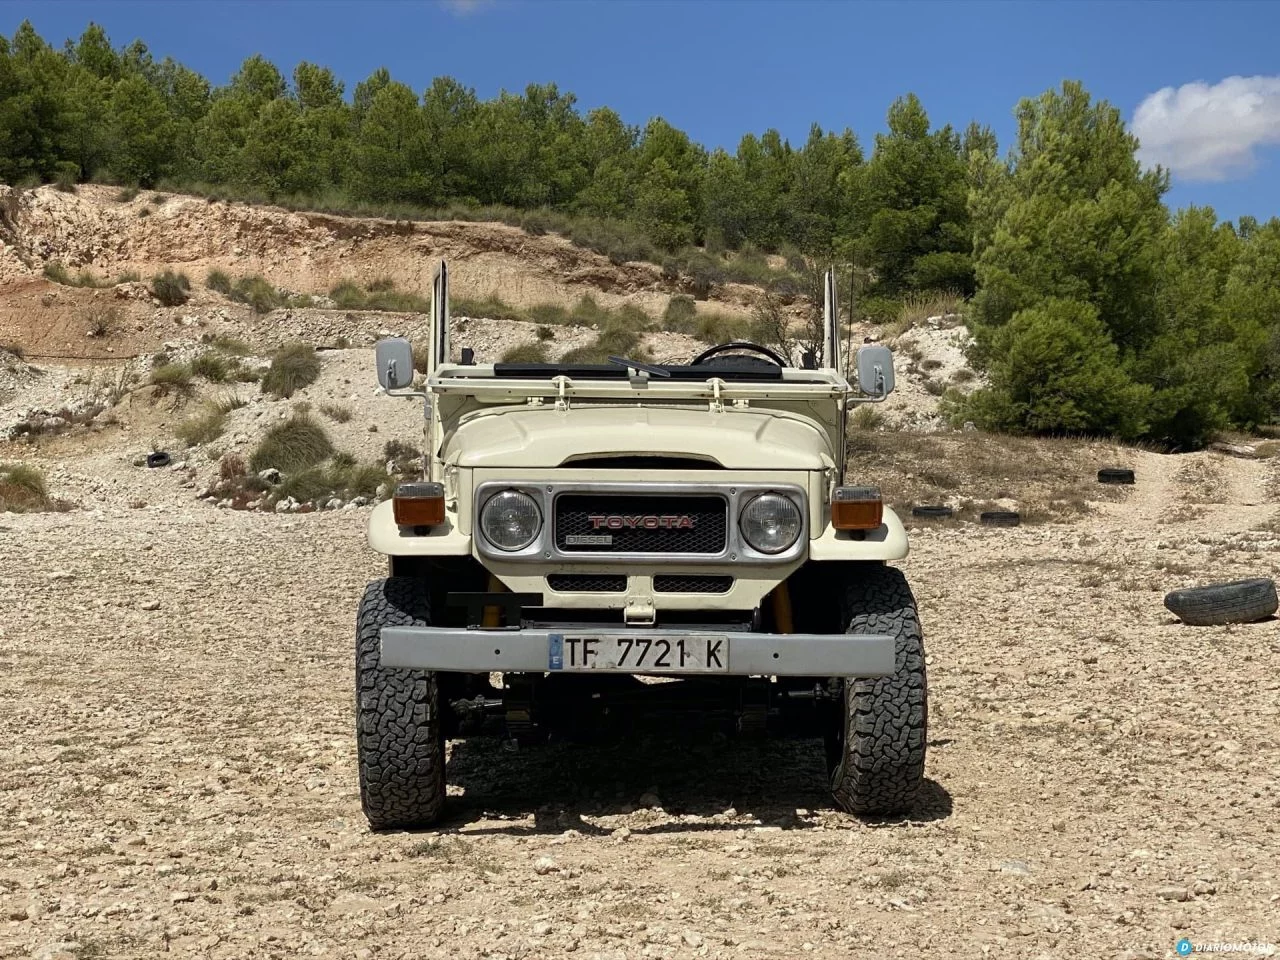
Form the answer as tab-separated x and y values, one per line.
492	614
782	617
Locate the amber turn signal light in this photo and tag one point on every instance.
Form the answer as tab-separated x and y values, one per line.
856	508
418	504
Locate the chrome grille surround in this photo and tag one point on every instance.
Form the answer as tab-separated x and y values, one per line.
548	546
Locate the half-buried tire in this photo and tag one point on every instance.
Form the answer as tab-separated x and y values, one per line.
1242	601
1115	475
930	510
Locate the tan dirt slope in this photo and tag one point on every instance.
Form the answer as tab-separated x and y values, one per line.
302	252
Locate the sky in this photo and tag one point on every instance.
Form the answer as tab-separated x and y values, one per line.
1198	82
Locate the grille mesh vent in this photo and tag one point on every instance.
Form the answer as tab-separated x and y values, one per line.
691	583
667	518
587	582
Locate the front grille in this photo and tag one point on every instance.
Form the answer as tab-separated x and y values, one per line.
691	583
587	583
672	523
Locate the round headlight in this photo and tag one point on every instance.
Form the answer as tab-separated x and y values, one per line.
771	523
511	520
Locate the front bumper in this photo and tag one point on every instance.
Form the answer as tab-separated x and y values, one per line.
462	650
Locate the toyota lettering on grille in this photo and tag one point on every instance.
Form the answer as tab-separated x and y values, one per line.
604	522
643	522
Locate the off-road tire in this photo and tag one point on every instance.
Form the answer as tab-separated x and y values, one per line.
1115	475
876	757
399	736
932	511
1243	601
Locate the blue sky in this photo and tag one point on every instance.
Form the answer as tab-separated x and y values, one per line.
718	68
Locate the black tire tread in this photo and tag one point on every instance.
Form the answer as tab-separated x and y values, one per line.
399	739
1115	475
1241	601
881	764
932	510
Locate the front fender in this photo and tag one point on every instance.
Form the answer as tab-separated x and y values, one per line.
387	538
887	542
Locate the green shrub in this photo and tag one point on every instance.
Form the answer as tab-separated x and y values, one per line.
144	213
57	272
881	310
230	345
65	181
399	450
103	322
382	295
1056	370
294	366
212	366
549	313
126	194
867	417
526	353
491	308
218	282
22	488
129	276
336	412
258	294
721	328
292	446
203	427
680	313
170	288
612	342
229	402
545	333
172	379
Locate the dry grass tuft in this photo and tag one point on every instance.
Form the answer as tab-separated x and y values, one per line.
204	427
294	366
22	489
295	445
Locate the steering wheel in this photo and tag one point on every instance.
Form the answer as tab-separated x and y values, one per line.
747	345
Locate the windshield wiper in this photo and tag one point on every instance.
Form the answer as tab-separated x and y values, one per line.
652	369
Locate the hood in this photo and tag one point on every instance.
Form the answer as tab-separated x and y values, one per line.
546	437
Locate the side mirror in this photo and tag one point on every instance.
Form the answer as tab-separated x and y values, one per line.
875	370
394	358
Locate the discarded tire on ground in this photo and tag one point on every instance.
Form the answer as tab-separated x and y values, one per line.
1241	601
1001	518
1115	475
158	459
931	511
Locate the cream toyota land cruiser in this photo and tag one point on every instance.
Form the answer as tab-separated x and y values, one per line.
579	527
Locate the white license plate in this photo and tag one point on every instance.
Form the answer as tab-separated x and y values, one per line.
639	653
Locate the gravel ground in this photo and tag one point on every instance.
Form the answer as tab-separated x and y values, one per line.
177	690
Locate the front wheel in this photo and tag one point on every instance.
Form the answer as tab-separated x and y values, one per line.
399	735
876	751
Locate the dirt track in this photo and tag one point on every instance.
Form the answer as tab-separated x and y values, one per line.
1101	779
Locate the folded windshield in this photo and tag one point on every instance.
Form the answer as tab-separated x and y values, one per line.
731	373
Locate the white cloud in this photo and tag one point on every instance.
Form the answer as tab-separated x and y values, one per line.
1204	132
